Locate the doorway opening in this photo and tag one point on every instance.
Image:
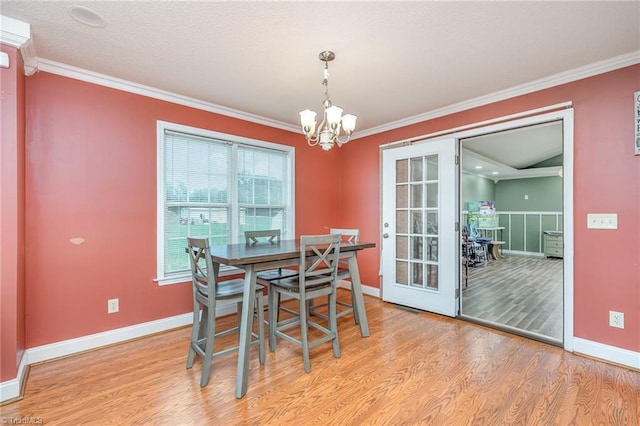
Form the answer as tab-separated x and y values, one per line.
511	201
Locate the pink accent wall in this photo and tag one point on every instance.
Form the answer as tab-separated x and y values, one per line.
12	224
91	174
606	180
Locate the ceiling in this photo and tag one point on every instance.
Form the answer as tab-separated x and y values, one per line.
395	61
515	153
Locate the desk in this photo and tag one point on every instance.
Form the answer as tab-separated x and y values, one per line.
260	257
495	243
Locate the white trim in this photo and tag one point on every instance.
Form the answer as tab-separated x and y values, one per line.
533	86
13	32
94	341
606	352
11	388
151	92
18	34
371	291
567	226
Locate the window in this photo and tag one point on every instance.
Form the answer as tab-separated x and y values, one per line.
217	186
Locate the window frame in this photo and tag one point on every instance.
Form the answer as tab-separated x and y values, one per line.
163	278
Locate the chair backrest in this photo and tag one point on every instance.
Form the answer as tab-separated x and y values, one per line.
203	274
254	237
321	265
348	235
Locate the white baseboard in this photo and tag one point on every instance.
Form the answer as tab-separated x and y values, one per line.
607	353
11	389
371	291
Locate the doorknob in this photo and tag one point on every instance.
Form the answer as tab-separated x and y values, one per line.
385	235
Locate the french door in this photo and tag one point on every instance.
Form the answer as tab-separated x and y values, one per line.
419	214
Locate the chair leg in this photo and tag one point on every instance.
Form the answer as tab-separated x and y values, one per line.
260	320
195	329
274	307
333	323
304	335
356	319
208	353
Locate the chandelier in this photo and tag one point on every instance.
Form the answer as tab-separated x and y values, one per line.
328	133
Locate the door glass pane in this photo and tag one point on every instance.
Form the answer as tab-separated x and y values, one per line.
416	195
402	222
402	196
402	171
432	194
401	272
416	248
417	274
416	169
432	167
432	249
402	251
432	276
416	222
432	222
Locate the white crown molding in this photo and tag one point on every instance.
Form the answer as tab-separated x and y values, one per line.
18	34
131	87
580	73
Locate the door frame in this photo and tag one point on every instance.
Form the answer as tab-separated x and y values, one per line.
564	112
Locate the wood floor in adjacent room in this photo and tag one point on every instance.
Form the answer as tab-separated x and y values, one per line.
415	368
523	292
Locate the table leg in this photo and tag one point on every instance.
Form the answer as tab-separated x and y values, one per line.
357	295
246	320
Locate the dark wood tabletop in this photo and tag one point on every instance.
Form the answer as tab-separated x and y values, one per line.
244	254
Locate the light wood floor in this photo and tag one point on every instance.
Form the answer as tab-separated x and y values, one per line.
414	369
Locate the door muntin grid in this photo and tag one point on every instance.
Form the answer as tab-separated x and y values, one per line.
417	219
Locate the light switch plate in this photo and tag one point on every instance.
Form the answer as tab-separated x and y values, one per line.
602	220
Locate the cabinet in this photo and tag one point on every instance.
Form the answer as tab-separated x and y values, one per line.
553	243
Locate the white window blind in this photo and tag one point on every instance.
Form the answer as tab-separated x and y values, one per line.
217	186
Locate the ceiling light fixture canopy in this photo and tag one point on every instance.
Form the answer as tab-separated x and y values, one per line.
328	133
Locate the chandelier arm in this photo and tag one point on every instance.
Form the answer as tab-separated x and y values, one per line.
342	141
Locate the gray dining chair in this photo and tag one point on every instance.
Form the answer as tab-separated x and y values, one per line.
207	292
349	236
317	278
271	236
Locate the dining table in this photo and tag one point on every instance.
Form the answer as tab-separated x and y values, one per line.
253	258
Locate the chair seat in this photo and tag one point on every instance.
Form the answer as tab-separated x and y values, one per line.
276	274
232	288
293	284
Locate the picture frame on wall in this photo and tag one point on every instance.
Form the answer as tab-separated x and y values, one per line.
636	97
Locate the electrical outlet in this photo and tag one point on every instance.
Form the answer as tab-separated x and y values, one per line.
113	306
616	319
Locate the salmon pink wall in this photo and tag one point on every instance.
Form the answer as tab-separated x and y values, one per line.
606	180
91	175
12	226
